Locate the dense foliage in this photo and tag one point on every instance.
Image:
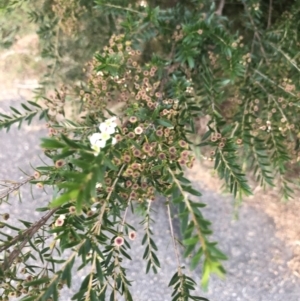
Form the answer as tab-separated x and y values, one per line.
164	66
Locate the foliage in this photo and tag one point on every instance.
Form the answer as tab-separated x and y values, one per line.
166	66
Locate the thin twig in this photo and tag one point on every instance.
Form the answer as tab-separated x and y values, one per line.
256	32
124	8
168	70
173	239
187	202
270	14
125	214
274	83
97	226
15	186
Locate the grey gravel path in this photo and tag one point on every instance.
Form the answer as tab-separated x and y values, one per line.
257	269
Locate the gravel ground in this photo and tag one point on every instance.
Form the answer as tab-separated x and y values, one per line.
256	269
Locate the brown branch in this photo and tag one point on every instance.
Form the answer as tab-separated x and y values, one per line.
219	11
15	186
24	237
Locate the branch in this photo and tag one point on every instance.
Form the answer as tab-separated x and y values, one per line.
188	205
174	241
220	8
256	32
15	186
270	14
124	8
24	237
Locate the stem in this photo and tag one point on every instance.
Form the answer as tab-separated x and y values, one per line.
87	297
234	130
75	253
199	232
147	229
97	226
173	239
274	83
15	186
256	33
275	101
97	231
24	237
270	14
125	8
125	214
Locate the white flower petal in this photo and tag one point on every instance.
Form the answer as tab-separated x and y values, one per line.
102	127
101	143
104	136
98	185
96	149
114	141
94	138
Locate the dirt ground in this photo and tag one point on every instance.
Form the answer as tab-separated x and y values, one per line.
19	70
284	214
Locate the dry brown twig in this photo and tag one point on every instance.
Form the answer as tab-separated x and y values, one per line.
23	238
12	186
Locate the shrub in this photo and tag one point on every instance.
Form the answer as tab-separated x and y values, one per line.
166	66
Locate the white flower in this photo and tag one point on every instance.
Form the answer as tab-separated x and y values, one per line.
98	141
143	3
106	129
94	138
60	221
138	130
132	235
96	149
109	123
104	136
98	185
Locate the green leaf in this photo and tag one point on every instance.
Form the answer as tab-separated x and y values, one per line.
165	123
67	272
191	62
125	254
174	279
51	143
34	104
28	298
178	199
191	241
15	111
107	162
64	198
99	272
196	258
192	191
155	259
70	142
37	282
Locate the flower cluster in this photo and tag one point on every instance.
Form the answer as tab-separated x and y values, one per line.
99	140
